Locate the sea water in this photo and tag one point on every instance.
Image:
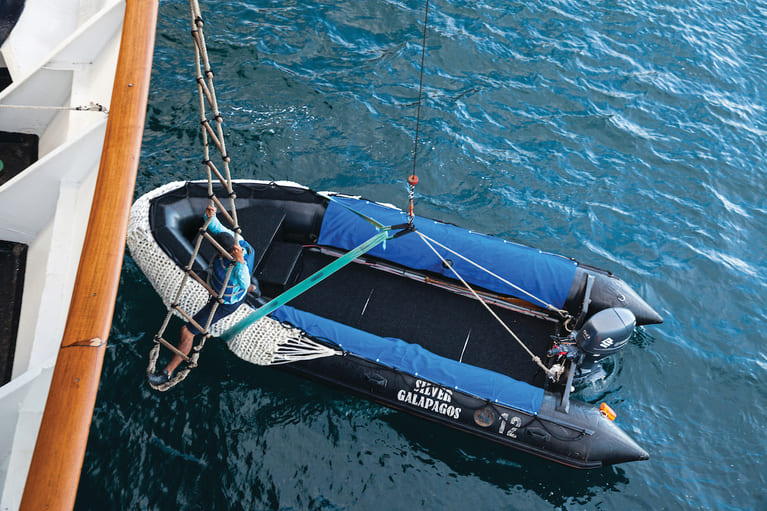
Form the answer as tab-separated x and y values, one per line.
627	134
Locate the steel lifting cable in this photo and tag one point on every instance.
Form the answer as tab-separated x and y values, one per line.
412	180
207	94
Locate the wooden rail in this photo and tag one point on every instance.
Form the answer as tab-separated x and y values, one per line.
55	469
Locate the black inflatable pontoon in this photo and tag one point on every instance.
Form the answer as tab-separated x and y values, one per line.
406	333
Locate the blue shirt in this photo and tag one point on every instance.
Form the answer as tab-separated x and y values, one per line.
239	281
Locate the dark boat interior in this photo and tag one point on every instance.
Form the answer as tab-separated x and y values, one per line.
282	225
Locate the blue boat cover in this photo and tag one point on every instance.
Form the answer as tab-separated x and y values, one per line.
415	360
545	276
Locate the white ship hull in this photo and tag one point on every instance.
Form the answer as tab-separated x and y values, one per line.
61	54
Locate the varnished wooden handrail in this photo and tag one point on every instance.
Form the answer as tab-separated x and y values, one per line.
55	469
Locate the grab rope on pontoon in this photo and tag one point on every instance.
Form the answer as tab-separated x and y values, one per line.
412	180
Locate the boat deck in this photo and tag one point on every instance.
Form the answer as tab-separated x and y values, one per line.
368	298
445	323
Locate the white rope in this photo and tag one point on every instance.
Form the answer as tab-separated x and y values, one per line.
91	107
553	373
510	284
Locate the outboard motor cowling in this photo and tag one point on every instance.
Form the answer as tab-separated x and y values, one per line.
606	332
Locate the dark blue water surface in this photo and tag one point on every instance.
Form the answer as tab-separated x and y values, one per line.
627	134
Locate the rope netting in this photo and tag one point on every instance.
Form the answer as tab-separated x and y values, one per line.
267	342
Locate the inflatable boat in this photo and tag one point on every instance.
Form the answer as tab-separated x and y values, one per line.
408	324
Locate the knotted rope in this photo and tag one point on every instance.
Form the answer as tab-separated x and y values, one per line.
264	346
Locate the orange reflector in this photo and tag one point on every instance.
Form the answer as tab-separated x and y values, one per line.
607	411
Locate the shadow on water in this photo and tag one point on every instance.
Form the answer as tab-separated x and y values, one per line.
289	398
231	433
503	467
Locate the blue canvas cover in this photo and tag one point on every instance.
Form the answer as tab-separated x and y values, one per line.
415	360
544	275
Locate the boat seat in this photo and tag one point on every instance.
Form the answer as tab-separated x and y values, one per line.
175	225
278	270
261	226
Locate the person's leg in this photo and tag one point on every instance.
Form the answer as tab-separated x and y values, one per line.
188	332
184	346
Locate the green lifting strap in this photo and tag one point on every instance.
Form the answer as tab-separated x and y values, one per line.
307	283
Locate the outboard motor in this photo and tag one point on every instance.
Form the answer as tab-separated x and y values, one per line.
605	333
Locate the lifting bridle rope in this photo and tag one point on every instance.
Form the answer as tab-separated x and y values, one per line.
554	372
412	180
563	314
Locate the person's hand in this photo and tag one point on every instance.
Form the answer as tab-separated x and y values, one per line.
210	211
237	253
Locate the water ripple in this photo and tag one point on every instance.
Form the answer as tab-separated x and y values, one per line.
627	134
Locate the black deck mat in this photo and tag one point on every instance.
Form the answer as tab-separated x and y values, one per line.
392	306
13	259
